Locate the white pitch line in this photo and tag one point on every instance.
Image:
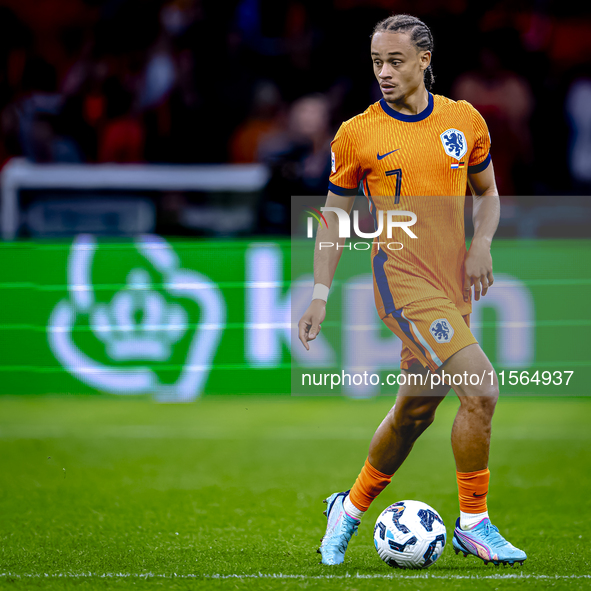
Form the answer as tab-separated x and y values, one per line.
287	576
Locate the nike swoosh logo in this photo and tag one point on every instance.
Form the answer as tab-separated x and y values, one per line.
482	495
387	153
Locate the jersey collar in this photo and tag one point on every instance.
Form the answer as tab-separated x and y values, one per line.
408	118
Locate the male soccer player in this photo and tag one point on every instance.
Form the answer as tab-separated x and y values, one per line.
415	151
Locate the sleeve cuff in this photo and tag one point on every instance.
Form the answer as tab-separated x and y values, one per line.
342	191
479	167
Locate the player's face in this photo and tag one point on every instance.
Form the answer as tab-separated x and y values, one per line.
397	65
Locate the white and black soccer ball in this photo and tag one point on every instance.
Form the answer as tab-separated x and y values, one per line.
409	534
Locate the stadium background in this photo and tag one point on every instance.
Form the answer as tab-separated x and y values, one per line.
149	154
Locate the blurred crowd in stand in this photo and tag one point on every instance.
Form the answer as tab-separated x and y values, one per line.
202	81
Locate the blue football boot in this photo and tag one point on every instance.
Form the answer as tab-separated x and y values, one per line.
485	542
340	528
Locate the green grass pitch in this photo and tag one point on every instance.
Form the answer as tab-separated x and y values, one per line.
225	493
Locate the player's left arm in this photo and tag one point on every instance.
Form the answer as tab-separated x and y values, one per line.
486	211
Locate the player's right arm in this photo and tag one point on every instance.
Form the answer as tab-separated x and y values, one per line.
326	259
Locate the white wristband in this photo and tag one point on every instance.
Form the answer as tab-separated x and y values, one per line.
320	292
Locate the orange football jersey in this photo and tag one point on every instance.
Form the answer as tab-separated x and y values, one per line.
417	163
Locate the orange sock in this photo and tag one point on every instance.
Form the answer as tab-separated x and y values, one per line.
472	488
369	484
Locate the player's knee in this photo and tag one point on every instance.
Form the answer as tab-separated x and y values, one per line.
416	419
424	414
482	402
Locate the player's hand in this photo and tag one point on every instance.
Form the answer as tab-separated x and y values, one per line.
310	323
477	271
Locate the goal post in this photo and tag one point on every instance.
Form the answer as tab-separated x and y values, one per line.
19	174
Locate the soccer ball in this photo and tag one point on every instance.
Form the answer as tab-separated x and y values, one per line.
409	534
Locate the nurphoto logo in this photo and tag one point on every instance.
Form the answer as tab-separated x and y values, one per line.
389	219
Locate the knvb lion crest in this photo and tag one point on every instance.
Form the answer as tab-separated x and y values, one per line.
454	143
442	330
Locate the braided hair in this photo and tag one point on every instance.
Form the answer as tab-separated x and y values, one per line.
420	35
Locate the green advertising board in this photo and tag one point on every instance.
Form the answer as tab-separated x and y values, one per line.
180	319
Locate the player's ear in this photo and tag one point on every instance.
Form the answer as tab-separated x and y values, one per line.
425	59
